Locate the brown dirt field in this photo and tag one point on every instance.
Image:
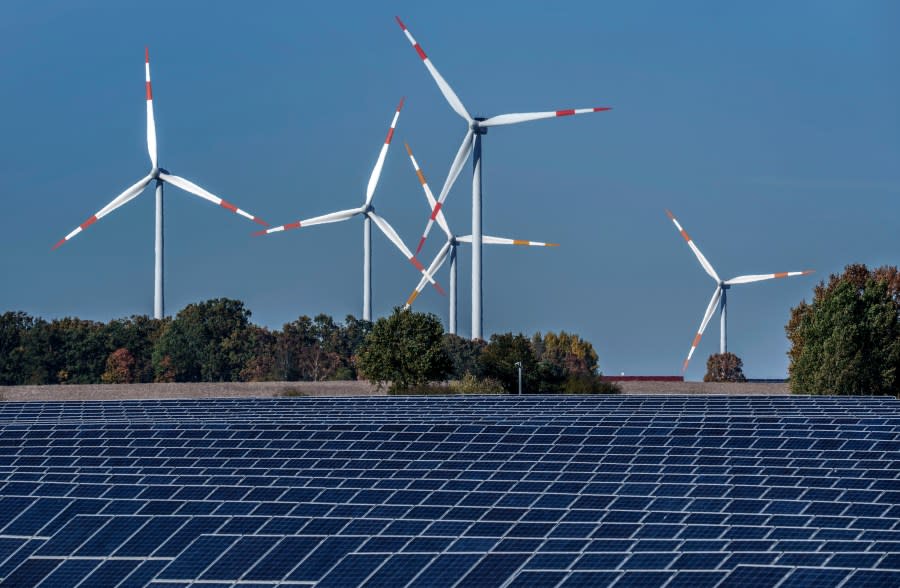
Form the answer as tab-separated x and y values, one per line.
342	388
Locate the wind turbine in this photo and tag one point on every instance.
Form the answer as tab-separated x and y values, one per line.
369	216
161	176
449	248
720	294
476	127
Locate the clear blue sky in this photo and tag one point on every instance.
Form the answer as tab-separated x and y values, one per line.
770	129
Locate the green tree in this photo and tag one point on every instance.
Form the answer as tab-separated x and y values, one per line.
75	351
15	328
847	340
724	367
463	354
498	361
203	343
404	349
353	332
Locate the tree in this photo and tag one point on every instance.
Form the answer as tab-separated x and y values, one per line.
76	351
566	363
255	352
404	349
463	354
847	340
498	361
138	335
724	367
119	368
567	350
203	343
319	349
14	357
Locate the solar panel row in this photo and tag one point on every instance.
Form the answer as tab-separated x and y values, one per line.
505	491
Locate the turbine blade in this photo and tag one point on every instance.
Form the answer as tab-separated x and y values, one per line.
710	310
511	119
151	122
454	101
331	217
376	171
458	162
436	264
196	190
432	203
130	193
761	277
504	241
703	261
392	235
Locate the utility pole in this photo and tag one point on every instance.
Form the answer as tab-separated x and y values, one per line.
518	364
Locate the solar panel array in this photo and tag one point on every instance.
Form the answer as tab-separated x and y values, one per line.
452	491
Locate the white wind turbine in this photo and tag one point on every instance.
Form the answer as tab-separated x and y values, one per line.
161	176
369	216
720	295
477	127
449	248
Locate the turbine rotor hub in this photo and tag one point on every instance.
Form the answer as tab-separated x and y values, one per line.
477	128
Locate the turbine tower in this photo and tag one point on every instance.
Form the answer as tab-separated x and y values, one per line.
449	248
719	296
367	210
476	128
160	176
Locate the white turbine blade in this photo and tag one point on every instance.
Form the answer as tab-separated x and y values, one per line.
432	202
436	264
331	217
761	277
376	171
196	190
151	123
458	162
504	241
510	119
703	261
130	193
392	235
710	310
454	101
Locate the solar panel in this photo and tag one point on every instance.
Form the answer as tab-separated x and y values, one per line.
430	491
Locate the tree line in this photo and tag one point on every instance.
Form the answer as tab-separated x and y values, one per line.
215	341
210	341
846	340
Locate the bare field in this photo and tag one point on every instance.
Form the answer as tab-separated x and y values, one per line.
341	388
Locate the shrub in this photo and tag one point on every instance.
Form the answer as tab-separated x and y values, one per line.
471	384
724	367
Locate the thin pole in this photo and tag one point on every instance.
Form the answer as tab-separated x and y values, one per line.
452	319
159	309
723	331
367	269
519	365
476	238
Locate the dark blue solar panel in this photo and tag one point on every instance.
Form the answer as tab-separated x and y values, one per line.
70	572
701	485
